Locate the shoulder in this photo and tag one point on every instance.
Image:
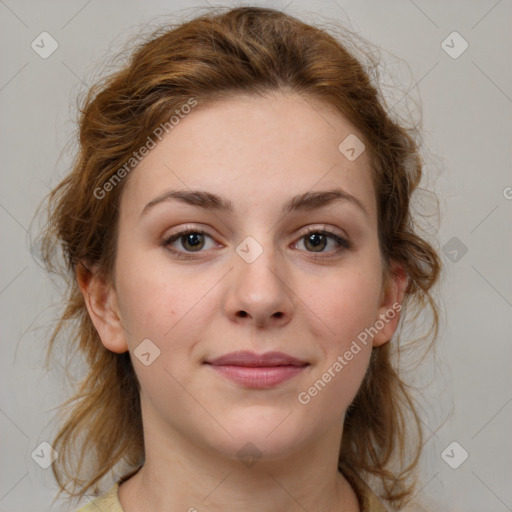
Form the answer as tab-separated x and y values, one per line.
106	502
372	503
368	500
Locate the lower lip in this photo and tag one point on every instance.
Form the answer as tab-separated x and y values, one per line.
258	377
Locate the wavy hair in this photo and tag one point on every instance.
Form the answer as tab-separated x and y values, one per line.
245	50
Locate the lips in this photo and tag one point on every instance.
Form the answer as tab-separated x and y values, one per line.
252	370
252	360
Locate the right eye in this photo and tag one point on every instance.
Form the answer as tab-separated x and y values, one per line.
191	241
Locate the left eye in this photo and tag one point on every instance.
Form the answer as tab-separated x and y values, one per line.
317	241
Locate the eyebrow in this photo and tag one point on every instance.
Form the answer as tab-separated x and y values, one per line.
301	202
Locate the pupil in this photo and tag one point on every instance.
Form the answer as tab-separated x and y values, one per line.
316	240
193	240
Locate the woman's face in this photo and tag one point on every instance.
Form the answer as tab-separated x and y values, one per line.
282	256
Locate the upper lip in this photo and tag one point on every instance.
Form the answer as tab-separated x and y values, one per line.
251	359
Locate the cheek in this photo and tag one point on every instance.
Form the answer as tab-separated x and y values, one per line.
161	303
147	306
344	305
347	310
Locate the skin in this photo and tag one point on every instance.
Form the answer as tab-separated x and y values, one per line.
257	152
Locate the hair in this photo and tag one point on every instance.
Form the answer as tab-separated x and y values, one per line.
215	56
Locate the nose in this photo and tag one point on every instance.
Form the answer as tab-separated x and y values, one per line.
259	292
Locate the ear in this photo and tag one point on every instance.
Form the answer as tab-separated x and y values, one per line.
101	301
393	291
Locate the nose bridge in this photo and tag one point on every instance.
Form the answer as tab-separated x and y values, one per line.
255	262
258	287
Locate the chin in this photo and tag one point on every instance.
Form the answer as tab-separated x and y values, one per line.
264	435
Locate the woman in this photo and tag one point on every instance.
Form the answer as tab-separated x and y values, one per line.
240	251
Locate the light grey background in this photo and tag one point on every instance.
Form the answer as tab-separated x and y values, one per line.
467	106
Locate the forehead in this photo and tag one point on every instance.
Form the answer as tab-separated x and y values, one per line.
257	149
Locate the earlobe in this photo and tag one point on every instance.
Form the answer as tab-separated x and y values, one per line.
393	294
101	302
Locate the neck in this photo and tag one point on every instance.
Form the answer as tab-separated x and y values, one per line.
179	475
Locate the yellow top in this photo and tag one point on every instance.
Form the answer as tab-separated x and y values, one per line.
109	501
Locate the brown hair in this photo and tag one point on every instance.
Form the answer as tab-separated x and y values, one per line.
243	50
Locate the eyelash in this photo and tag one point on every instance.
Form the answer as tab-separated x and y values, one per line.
344	244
